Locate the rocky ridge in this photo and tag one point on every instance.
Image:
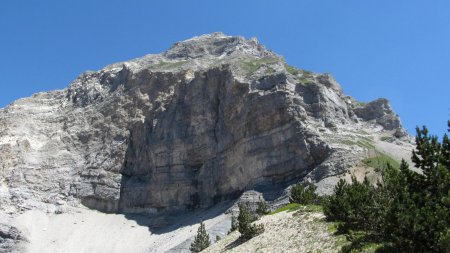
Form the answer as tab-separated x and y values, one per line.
205	121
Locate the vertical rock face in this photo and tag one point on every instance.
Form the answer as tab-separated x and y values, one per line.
209	118
214	139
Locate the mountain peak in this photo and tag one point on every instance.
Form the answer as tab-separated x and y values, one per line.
208	119
216	44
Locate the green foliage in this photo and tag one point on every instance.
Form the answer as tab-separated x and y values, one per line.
418	217
367	143
289	207
262	208
312	208
380	161
347	142
304	195
269	71
245	227
388	138
353	204
292	70
201	240
307	73
306	77
168	65
250	66
234	224
218	238
364	143
406	211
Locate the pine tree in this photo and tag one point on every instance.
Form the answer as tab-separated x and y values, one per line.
418	218
354	204
201	241
262	208
245	227
304	195
409	211
234	224
337	207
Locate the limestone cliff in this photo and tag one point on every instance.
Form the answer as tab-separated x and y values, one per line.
209	118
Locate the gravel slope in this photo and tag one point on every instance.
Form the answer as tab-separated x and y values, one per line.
82	230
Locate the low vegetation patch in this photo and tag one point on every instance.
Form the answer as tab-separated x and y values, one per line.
168	65
289	208
380	161
251	66
363	142
312	208
366	143
348	142
387	138
306	77
292	70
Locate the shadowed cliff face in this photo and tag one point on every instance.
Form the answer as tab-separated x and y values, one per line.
214	139
209	118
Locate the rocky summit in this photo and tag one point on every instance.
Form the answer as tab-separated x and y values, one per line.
201	123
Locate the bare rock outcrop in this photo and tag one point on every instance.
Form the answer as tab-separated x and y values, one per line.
381	112
11	239
211	117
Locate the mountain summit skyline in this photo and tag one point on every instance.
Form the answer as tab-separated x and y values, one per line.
400	56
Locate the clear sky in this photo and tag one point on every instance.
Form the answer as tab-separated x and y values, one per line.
394	49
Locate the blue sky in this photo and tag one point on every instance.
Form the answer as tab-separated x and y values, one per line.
394	49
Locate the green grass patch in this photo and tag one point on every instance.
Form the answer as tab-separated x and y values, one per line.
289	208
292	70
306	77
270	70
368	139
312	208
379	162
365	144
387	138
303	80
347	142
295	206
363	132
341	242
360	242
307	73
360	104
253	65
168	65
371	247
332	227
